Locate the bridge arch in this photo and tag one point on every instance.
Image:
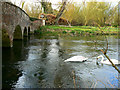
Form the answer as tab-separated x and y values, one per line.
25	32
17	35
14	20
5	39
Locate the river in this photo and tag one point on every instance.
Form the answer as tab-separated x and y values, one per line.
38	62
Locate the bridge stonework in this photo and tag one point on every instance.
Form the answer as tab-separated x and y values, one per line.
15	23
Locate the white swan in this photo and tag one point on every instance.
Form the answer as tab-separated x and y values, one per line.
116	62
76	59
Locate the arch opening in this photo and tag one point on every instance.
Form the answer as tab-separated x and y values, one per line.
25	32
5	39
28	30
17	33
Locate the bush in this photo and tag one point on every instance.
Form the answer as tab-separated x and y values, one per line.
72	32
107	24
37	32
43	28
40	29
33	19
114	25
64	32
50	18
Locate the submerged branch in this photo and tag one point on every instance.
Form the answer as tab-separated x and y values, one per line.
74	79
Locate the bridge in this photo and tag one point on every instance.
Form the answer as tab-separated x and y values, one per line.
15	23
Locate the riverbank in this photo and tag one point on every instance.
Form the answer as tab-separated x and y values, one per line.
76	30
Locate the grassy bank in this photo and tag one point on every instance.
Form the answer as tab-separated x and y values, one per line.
77	30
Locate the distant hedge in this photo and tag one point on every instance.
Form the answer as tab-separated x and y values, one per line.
33	19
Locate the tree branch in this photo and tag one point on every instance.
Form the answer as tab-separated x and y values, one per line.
60	11
110	61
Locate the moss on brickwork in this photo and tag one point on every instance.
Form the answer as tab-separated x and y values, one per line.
5	39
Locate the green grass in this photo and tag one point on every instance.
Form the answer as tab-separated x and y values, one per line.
79	29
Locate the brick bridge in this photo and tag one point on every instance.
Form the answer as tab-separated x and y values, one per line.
15	23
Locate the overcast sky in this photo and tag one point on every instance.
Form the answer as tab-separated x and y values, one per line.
114	2
56	1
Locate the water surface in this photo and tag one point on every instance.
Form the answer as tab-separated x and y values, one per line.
39	63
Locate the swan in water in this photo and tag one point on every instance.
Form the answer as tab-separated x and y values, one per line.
116	62
76	59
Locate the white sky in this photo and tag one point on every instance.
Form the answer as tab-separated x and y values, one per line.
56	1
114	2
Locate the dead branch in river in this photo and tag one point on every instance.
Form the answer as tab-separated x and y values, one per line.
73	72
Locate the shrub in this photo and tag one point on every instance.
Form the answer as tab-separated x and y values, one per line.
114	25
37	32
64	32
43	28
72	32
50	18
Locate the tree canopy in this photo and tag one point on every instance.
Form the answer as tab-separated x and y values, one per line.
91	13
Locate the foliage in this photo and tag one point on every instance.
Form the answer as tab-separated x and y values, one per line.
64	32
33	10
88	13
114	25
91	13
47	6
37	32
43	28
50	18
33	19
23	3
72	32
40	30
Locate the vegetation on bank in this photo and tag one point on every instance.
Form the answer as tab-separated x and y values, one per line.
33	19
77	30
86	13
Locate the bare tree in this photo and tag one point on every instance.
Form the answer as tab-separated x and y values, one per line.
5	0
119	14
61	10
46	5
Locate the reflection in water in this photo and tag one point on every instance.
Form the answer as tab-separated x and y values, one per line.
10	56
40	63
43	67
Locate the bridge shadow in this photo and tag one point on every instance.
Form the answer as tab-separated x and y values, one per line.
17	33
25	32
5	39
10	58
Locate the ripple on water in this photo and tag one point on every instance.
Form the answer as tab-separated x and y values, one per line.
43	66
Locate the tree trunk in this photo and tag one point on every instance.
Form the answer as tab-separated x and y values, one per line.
62	8
119	14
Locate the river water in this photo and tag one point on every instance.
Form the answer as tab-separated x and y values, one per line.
38	62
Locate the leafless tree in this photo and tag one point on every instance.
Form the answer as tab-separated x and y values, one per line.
61	10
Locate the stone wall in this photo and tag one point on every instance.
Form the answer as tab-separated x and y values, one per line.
36	24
